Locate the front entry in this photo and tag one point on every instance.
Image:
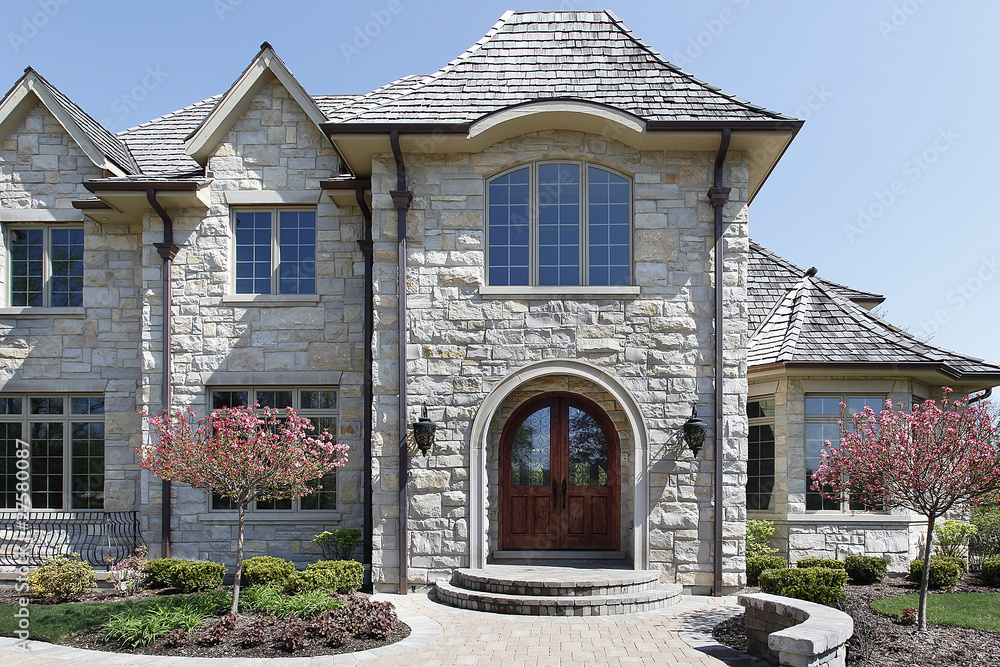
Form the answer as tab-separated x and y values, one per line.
559	477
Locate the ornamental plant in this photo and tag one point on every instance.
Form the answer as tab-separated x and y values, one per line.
939	455
243	453
953	538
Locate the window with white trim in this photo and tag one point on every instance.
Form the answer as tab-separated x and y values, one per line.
760	453
45	265
559	223
65	462
821	420
318	404
275	250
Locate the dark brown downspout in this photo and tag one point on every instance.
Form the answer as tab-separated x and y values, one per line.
366	246
167	250
718	194
402	197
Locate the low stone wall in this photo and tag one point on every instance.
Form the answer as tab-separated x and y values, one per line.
785	631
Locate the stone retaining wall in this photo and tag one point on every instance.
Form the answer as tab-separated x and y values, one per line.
796	633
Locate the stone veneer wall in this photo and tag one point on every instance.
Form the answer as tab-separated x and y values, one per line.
90	349
658	345
288	341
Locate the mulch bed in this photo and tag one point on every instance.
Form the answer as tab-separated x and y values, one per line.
883	642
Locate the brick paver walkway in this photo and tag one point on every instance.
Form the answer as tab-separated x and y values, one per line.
445	637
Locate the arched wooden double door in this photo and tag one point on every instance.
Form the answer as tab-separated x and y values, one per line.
559	476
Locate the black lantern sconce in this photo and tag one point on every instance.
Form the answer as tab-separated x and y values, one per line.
423	433
694	431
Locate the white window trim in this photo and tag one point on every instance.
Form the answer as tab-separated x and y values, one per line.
47	307
532	289
273	297
296	512
766	421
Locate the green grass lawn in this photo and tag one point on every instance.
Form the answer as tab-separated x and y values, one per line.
967	610
54	621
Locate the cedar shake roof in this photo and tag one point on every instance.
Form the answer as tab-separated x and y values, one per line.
587	55
814	324
771	276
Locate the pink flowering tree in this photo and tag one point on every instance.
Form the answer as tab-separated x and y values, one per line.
244	454
939	455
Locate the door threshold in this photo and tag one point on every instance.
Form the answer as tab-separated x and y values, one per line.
558	554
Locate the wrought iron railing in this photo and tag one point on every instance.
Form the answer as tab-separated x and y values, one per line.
28	538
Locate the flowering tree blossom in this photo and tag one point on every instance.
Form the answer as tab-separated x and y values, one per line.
939	455
244	454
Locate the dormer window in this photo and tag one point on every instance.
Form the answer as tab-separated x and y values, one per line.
559	223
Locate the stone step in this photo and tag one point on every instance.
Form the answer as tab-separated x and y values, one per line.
662	596
559	555
542	581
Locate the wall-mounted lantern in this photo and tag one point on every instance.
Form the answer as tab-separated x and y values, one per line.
694	431
423	433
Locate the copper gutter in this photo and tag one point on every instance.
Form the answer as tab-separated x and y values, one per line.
718	194
401	198
167	251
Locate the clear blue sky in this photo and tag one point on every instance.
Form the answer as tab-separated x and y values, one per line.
887	188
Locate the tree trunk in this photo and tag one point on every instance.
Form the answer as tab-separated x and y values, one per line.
239	561
925	577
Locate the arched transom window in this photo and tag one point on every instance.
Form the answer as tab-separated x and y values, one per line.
559	223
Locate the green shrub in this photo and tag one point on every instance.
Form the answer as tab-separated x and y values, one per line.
342	576
158	571
758	532
190	576
952	538
830	563
986	541
64	577
134	628
815	584
866	569
268	598
757	564
265	570
945	572
991	571
338	544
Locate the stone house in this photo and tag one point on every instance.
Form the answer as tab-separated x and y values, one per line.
526	243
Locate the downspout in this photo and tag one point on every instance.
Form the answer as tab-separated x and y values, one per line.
167	251
718	195
401	197
981	397
366	246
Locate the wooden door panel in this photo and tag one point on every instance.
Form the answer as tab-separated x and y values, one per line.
519	515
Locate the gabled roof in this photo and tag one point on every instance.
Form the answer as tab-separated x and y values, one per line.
203	139
104	149
813	325
771	276
580	55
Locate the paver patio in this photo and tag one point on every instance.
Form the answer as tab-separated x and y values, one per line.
679	636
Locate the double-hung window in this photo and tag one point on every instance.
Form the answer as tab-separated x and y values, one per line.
760	455
823	412
559	223
45	266
275	251
318	404
64	461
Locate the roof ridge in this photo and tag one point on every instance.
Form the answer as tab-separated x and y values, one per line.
797	316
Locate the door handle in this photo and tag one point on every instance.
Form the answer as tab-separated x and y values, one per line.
564	494
555	495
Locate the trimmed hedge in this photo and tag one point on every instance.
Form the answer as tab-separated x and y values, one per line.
64	577
757	564
991	571
829	563
158	571
823	585
945	572
866	569
265	570
342	576
190	576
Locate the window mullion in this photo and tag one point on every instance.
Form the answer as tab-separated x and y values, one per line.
275	250
47	267
584	225
533	236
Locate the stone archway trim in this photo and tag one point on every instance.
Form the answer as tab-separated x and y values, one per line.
478	480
